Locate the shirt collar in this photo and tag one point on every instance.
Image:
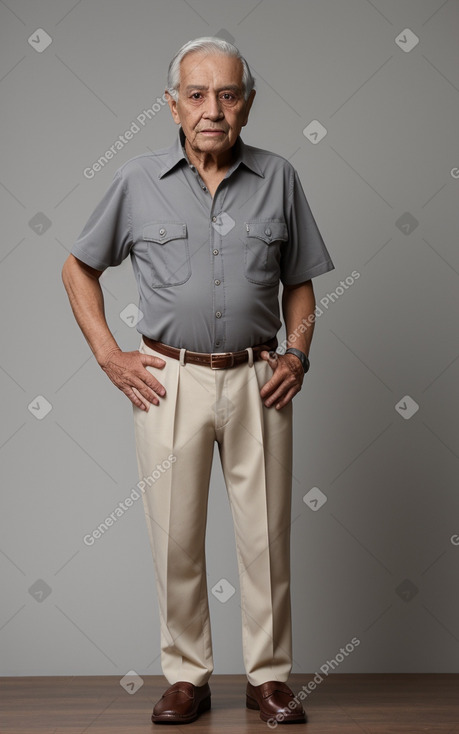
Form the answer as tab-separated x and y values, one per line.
177	154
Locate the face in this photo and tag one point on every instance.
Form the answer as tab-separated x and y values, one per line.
211	107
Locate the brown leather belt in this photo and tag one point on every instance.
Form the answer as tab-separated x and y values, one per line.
216	360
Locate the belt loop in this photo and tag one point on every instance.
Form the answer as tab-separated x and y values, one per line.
249	350
182	356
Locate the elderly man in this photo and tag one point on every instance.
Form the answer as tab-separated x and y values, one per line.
212	226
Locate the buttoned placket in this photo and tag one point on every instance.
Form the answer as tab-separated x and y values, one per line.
217	274
215	244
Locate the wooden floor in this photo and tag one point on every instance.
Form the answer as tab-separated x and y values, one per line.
348	704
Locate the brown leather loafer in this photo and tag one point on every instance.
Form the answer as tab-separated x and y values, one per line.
276	702
181	703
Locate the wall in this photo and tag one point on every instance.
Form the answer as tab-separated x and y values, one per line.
375	511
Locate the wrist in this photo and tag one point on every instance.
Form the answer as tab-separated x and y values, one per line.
104	357
301	356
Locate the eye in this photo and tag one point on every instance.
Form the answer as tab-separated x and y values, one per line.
196	95
229	99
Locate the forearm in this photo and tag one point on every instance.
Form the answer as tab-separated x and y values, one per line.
87	301
298	304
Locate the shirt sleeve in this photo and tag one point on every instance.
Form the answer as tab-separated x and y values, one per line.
106	238
305	255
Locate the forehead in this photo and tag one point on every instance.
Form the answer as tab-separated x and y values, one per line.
207	69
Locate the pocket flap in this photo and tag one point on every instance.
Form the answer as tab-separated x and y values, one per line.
267	230
162	232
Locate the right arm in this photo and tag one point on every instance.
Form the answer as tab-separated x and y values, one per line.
127	370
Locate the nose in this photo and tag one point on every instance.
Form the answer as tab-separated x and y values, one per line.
213	108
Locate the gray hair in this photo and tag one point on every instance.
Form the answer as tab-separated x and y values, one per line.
209	44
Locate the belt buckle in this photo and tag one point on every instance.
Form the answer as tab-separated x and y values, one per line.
220	354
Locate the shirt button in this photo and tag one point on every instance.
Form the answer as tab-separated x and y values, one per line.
218	314
162	231
268	232
214	252
217	344
214	219
217	282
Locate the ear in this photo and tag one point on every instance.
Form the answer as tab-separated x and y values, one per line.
248	105
172	106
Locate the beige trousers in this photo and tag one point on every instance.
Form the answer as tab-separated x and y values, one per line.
175	443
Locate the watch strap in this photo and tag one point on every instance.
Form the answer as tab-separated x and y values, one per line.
301	356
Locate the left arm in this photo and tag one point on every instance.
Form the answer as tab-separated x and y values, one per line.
298	304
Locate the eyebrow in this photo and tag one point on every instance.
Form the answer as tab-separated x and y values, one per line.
233	87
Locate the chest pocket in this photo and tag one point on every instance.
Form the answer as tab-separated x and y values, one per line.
169	252
263	243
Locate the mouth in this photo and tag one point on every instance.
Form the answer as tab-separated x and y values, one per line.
212	132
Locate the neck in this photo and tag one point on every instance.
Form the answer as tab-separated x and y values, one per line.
209	161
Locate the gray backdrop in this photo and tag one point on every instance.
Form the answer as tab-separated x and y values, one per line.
362	97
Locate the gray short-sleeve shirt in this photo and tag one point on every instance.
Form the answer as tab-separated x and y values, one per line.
208	269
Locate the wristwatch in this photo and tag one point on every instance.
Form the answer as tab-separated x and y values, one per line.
301	356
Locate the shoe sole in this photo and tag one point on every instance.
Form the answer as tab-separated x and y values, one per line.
251	703
162	719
